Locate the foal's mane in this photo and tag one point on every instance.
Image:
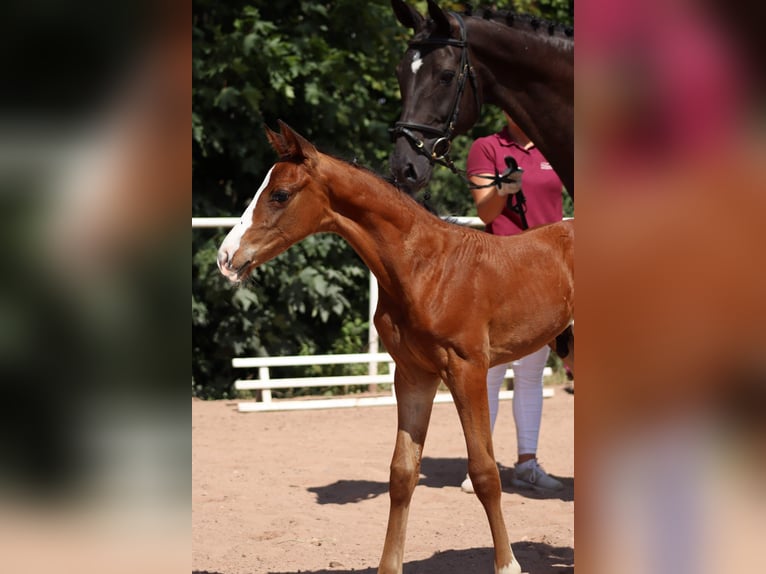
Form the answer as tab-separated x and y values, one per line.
407	198
391	183
396	192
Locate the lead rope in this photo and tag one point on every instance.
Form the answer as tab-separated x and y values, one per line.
519	206
516	202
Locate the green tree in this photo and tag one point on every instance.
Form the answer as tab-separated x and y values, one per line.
326	69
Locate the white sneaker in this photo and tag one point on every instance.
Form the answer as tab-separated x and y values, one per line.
530	474
467	485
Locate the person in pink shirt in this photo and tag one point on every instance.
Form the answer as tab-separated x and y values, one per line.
542	190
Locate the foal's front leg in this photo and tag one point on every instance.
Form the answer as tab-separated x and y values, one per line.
414	399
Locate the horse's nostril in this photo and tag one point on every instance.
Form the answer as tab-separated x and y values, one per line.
409	173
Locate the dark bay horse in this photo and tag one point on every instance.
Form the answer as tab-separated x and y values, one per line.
455	63
517	291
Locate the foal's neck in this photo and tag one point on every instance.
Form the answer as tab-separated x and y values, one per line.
385	226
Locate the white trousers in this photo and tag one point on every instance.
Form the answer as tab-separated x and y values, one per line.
527	397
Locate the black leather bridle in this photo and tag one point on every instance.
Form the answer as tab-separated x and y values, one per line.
439	152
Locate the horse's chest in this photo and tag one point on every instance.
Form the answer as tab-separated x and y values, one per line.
417	336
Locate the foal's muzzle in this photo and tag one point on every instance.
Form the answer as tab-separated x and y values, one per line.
226	266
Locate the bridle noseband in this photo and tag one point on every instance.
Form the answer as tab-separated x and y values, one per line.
439	152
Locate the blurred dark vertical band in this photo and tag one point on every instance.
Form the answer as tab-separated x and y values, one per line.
95	191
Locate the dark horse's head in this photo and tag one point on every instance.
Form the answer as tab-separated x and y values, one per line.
440	96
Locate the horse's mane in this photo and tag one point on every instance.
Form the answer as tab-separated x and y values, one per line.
526	22
561	35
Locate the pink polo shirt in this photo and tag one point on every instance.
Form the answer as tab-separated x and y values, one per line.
541	186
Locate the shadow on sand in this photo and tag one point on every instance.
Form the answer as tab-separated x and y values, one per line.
535	558
436	473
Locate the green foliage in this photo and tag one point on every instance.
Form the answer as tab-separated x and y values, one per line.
567	204
555	10
288	307
327	69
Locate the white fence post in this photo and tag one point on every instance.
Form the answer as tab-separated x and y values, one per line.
263	375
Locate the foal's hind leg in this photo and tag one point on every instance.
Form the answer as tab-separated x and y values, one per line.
414	399
469	390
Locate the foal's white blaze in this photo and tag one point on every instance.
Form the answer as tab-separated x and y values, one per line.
230	245
417	61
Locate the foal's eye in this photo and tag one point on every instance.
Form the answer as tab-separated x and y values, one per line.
279	196
446	77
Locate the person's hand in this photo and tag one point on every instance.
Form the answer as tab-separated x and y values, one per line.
511	184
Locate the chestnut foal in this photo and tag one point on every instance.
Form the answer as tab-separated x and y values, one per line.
452	302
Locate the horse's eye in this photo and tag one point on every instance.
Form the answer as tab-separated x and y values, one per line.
446	77
279	196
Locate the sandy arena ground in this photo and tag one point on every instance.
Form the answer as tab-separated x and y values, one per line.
290	492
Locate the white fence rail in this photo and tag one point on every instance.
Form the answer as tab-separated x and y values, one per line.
265	383
210	222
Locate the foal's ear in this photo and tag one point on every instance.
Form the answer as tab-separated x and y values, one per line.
440	19
298	147
277	142
407	15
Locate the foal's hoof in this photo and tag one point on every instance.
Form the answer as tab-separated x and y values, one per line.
512	568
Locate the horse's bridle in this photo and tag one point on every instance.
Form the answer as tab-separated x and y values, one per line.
440	149
439	152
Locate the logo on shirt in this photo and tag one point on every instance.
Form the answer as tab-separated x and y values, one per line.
545	165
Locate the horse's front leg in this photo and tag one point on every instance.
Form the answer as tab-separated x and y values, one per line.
468	384
414	401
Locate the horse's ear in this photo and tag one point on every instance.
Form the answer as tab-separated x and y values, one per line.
298	147
277	142
407	15
439	17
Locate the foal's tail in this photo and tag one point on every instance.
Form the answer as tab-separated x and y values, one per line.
565	342
563	345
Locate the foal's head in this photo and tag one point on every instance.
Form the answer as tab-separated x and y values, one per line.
439	93
289	206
